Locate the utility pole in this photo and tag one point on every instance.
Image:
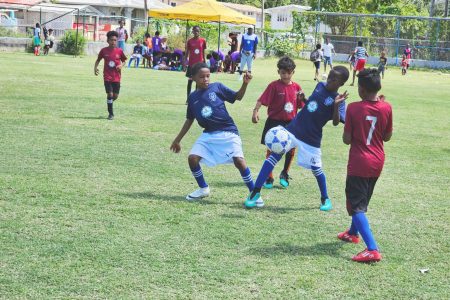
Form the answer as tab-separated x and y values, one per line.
432	4
262	22
446	9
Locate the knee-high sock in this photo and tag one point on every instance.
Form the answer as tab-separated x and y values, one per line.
198	175
110	106
321	181
353	230
189	87
288	160
268	152
362	223
247	177
267	167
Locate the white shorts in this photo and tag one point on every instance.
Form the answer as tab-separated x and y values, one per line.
217	147
307	156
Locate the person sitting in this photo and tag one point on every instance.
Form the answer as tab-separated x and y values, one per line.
137	54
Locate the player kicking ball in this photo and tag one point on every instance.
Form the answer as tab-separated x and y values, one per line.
368	124
220	142
305	130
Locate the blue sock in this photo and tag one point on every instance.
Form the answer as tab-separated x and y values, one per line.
362	223
198	175
247	177
267	167
353	230
137	62
321	181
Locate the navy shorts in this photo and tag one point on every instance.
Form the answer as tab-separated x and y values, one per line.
358	191
317	65
112	87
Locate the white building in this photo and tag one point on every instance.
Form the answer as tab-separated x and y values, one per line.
281	16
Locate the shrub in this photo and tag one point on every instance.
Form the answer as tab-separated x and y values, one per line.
282	46
68	43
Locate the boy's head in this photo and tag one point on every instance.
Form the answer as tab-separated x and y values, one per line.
37	25
250	31
157	33
337	77
383	54
147	35
403	56
138	42
286	68
196	31
208	56
360	43
327	40
50	31
318	46
200	74
112	37
121	23
369	82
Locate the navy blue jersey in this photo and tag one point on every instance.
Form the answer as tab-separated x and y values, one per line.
208	108
318	110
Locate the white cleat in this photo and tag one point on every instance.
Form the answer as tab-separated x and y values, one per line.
198	194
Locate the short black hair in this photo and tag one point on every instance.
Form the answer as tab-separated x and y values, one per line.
197	67
112	33
342	72
286	63
318	46
370	80
157	33
196	26
360	43
208	56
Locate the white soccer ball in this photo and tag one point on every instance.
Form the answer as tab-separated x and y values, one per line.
277	139
324	76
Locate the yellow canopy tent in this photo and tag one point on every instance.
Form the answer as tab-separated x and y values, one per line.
203	11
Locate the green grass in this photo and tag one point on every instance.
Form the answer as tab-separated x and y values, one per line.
91	208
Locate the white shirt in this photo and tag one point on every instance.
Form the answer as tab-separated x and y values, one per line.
327	49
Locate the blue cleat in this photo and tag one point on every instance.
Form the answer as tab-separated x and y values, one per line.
326	205
269	183
256	201
284	179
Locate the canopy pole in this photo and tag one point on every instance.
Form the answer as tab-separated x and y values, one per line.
187	27
76	36
218	40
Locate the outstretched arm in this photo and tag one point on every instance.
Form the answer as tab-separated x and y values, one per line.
255	116
247	78
176	147
96	66
337	102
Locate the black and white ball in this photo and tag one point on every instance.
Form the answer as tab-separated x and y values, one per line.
277	139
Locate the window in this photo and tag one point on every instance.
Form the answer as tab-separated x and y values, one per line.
173	4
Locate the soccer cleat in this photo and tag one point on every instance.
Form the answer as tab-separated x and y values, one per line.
111	117
346	237
326	205
256	201
269	183
198	194
367	256
284	179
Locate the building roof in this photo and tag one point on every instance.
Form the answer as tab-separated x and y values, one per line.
242	7
18	4
139	4
291	7
65	8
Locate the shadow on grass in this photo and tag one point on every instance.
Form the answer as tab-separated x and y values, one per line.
87	118
321	249
177	198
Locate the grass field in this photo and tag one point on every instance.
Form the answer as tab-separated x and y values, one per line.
91	208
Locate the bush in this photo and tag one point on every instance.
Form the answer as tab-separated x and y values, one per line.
68	45
281	47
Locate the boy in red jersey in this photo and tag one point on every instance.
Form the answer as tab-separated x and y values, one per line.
195	53
114	62
283	99
368	124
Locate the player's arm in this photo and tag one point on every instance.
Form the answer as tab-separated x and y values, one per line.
255	116
99	58
186	58
347	138
240	94
387	137
337	111
256	47
176	147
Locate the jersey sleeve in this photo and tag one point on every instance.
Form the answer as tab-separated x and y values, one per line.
100	55
189	111
256	41
226	94
267	95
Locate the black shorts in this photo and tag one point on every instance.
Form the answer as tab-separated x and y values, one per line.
358	191
270	123
189	72
112	87
317	64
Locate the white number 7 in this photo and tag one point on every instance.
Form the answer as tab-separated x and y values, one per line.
373	121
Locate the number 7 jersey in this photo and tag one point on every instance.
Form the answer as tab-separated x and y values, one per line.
368	122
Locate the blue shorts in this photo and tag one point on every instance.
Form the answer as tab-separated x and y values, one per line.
327	60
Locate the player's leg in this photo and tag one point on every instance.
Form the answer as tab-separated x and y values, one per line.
354	75
203	191
325	202
249	63
284	176
246	175
325	62
353	198
130	61
268	184
109	99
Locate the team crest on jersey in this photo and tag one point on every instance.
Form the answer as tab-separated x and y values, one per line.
312	106
212	96
206	112
329	101
197	51
111	64
288	107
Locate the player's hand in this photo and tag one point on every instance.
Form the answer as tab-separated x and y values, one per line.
340	98
175	147
247	77
301	96
96	71
255	117
119	67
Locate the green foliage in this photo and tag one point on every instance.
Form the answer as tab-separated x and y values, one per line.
281	46
69	44
4	31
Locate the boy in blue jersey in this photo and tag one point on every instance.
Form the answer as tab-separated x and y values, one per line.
220	142
249	44
305	130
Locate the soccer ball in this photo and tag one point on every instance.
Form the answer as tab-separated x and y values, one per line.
324	76
277	139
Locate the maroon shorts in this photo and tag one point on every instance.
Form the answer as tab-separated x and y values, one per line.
360	63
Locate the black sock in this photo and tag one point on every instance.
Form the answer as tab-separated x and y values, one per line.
255	191
287	161
110	106
189	88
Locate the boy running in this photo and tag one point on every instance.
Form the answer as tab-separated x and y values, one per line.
114	62
283	99
368	124
360	58
195	53
220	142
306	133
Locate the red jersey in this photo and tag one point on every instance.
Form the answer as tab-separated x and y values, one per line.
404	62
281	100
196	48
113	57
367	122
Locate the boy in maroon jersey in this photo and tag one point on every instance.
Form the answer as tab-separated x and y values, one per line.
195	52
114	62
283	98
368	124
